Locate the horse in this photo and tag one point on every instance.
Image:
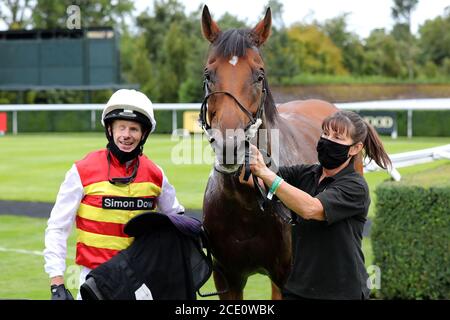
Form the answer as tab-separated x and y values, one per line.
243	238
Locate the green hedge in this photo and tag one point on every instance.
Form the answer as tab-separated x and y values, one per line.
411	241
78	121
425	123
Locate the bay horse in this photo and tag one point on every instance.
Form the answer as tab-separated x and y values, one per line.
244	240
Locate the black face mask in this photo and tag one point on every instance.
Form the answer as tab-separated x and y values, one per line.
123	156
332	154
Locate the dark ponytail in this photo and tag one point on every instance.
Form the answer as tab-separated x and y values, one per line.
351	124
374	148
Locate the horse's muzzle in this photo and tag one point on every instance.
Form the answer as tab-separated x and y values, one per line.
230	152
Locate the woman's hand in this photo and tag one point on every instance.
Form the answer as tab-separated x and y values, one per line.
258	168
257	164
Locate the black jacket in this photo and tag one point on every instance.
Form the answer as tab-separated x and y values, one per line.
165	261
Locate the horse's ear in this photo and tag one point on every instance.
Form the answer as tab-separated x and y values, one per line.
262	30
210	29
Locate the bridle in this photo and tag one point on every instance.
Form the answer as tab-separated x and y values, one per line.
252	126
250	130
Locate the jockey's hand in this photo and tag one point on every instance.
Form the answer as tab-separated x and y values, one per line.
59	292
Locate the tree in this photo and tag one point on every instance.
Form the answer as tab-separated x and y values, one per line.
191	89
435	39
314	51
228	21
381	56
176	49
155	26
349	43
402	9
279	57
136	64
401	12
49	14
13	13
173	62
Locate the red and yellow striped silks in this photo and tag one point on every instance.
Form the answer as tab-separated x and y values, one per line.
100	233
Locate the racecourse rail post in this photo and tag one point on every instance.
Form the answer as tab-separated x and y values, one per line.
410	123
93	120
174	120
14	122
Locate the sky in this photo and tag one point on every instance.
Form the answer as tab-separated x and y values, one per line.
365	15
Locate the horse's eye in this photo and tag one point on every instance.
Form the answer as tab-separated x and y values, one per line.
261	76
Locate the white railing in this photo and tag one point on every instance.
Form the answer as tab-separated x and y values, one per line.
411	158
398	160
14	108
409	105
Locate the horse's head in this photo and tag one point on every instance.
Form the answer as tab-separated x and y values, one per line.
235	88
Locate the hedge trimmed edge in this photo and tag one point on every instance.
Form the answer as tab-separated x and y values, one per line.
411	241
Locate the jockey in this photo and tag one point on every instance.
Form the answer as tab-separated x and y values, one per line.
107	188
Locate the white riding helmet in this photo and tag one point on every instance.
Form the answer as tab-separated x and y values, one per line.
130	105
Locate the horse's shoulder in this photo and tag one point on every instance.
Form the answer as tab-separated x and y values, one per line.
311	109
308	106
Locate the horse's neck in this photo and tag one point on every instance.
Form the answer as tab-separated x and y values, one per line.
290	147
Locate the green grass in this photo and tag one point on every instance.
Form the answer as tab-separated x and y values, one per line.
23	275
33	166
434	176
403	144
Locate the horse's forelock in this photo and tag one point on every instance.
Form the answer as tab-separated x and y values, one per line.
234	42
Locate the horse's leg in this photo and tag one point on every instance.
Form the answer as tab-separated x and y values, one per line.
234	285
276	292
279	273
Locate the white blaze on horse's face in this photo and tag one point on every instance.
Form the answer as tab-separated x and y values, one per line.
234	60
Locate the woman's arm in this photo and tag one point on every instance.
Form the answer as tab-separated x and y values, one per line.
295	199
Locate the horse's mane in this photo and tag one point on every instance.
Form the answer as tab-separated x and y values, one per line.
235	42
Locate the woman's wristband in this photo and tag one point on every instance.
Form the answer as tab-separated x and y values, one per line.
276	183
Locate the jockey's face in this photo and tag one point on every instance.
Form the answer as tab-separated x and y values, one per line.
126	134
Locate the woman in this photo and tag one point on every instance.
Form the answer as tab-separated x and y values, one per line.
330	201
